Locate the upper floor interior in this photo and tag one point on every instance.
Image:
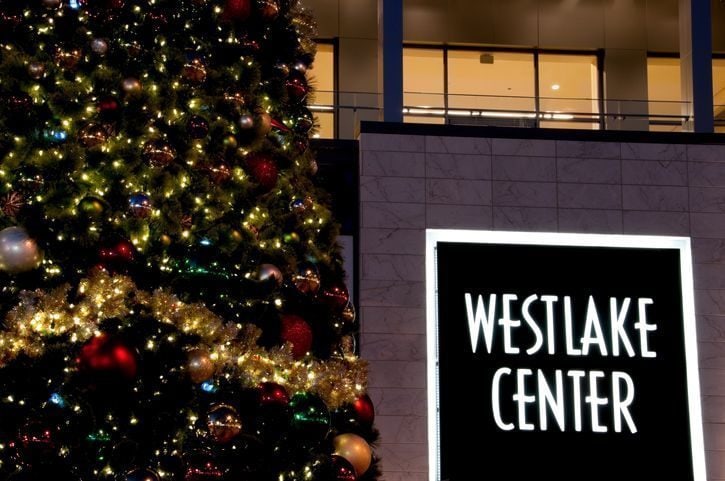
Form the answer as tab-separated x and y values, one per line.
586	64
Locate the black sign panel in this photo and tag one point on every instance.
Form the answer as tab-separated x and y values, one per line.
562	357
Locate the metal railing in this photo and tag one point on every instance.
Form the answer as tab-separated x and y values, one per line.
349	108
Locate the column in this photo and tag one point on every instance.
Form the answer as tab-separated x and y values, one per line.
390	37
696	61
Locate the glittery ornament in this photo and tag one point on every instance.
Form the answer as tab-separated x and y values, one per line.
263	169
310	416
18	105
236	10
37	440
347	317
194	70
364	410
92	207
18	251
92	136
158	153
12	203
342	470
336	296
131	85
297	332
54	135
270	272
99	46
234	102
296	86
140	205
307	278
36	70
110	356
141	474
199	365
272	394
223	423
355	449
197	127
67	59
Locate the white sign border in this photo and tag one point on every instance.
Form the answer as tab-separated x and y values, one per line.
433	236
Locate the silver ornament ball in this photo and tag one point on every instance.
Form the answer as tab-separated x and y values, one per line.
270	271
18	251
99	46
131	85
246	122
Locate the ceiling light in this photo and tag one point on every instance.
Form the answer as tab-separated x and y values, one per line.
555	87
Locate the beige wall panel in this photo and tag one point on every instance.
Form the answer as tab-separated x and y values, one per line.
327	14
663	28
516	22
424	21
359	18
358	71
571	23
625	24
626	79
470	22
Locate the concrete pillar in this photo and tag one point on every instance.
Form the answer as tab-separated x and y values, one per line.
696	61
390	38
625	87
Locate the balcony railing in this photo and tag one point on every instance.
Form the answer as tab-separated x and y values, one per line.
349	108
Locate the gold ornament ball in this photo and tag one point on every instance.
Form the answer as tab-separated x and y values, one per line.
200	365
264	123
36	70
236	236
165	240
18	251
131	85
223	423
92	206
355	449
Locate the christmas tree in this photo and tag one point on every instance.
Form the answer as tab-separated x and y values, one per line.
172	294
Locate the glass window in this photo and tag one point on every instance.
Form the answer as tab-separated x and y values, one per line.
718	91
569	91
423	93
322	76
491	81
663	88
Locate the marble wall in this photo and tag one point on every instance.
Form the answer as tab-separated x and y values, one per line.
412	182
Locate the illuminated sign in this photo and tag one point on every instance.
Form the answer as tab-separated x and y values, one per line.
561	357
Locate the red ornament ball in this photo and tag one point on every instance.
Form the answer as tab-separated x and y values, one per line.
297	332
123	251
263	170
297	86
342	470
364	410
269	9
236	10
336	297
105	354
272	394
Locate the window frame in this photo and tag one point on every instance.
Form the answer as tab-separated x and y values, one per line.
536	53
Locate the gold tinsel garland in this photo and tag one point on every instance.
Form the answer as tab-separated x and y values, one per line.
41	315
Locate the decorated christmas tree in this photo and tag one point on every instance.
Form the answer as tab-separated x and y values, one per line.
172	294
